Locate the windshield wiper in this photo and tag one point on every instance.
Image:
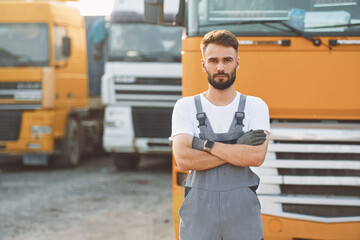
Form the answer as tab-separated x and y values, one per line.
316	42
336	25
6	54
23	60
8	59
16	60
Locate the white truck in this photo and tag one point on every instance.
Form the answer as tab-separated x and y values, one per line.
141	83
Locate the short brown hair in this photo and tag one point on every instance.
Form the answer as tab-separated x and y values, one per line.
221	37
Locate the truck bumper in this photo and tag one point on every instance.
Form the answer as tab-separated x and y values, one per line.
279	228
32	139
31	152
137	145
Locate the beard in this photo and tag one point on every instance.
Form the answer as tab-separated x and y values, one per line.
222	84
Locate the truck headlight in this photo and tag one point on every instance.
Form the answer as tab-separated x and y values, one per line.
114	124
40	130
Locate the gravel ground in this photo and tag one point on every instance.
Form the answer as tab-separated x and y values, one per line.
92	201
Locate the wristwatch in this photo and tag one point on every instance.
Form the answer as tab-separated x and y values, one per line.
208	145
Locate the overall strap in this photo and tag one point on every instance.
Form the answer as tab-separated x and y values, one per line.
198	104
200	116
240	114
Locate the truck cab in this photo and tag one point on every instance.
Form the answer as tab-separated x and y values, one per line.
43	82
301	58
141	83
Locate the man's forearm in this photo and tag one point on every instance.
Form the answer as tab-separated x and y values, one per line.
198	161
240	154
236	154
192	159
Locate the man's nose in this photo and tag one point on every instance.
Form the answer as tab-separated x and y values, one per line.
220	67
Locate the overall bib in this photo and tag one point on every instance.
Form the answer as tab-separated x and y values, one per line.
221	203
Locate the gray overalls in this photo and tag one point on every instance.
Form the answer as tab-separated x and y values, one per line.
221	203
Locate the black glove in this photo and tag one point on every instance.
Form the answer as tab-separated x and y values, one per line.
198	144
252	138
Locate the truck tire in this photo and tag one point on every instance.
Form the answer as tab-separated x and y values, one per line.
125	162
71	146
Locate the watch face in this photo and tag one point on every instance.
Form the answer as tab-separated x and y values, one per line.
209	144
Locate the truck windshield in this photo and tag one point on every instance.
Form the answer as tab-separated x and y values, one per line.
264	17
143	42
24	44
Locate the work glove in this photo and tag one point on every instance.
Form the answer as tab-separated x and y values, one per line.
198	144
252	138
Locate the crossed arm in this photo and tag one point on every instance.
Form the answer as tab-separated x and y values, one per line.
243	155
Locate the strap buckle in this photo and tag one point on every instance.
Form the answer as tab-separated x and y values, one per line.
239	116
201	118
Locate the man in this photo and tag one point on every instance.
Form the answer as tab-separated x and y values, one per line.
218	135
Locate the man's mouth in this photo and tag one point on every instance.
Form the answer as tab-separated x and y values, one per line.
221	76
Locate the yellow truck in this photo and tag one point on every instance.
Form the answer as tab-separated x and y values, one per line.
302	58
45	111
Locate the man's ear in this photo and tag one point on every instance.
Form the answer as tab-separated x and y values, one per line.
237	63
203	64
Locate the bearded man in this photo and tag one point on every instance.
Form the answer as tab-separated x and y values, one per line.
217	135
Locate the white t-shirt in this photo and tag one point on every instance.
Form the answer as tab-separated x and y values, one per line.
220	117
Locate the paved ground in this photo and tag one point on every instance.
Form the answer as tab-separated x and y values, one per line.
92	201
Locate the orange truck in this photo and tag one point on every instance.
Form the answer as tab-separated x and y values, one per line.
45	109
302	58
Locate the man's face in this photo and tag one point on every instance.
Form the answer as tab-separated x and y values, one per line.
220	64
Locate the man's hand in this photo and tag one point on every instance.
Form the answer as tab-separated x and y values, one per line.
252	138
198	144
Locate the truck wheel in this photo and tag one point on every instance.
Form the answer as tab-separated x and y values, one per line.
126	161
71	146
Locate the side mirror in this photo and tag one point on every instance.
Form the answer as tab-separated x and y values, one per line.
154	11
66	46
180	16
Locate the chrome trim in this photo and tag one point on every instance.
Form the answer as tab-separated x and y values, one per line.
312	218
334	42
20	107
251	42
301	164
314	148
311	180
325	137
346	42
315	200
146	103
148	88
143	145
334	4
149	97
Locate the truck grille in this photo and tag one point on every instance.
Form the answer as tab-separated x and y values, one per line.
316	190
322	211
152	122
141	91
10	122
312	170
20	95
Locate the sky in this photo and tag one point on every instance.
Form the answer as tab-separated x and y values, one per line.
104	7
93	7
